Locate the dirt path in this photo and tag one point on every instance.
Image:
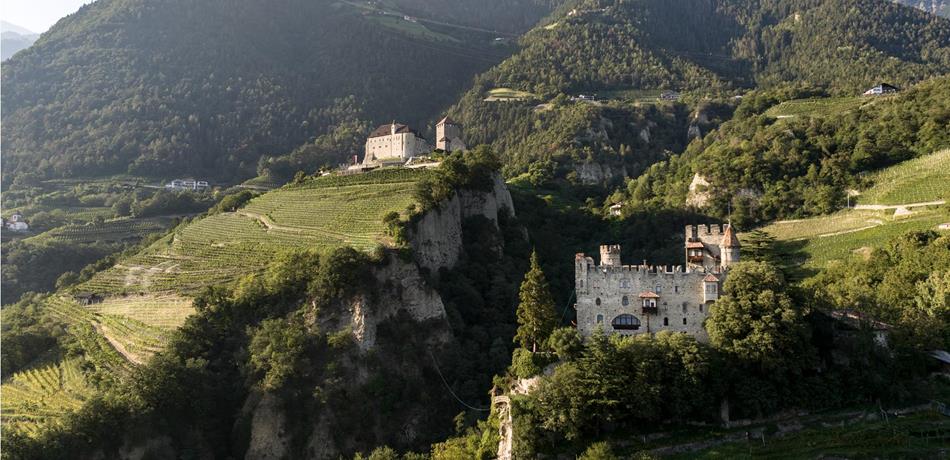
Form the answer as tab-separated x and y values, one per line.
132	357
884	207
270	224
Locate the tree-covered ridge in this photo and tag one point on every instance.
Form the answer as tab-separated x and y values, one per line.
938	7
209	87
762	168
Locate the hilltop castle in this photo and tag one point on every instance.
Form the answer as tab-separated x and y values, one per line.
397	143
645	299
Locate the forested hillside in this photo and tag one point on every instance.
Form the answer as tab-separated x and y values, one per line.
207	88
939	7
762	166
631	50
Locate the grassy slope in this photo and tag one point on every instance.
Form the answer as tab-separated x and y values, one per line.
323	214
920	180
814	242
148	295
824	107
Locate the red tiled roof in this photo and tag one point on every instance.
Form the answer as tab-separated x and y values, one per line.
694	245
711	279
649	295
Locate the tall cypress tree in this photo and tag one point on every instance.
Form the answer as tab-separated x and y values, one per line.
536	314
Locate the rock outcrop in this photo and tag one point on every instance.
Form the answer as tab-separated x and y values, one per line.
436	239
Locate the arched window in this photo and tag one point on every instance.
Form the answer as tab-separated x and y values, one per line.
600	319
625	323
625	301
659	289
666	321
597	301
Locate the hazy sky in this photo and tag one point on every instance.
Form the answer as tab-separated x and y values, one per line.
37	15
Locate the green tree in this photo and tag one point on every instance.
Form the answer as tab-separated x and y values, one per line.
756	319
277	349
598	451
536	312
759	246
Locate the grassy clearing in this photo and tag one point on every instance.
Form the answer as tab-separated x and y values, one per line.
508	94
822	107
322	214
632	95
44	392
920	180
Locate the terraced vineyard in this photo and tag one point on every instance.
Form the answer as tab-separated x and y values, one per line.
321	214
115	230
43	393
921	180
818	240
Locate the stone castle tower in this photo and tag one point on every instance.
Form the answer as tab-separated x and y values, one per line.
643	299
448	135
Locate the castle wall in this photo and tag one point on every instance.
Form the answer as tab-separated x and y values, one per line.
401	146
680	298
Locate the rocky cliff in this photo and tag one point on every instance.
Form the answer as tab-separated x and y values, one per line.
436	239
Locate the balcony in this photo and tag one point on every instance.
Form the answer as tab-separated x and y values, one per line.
649	310
695	259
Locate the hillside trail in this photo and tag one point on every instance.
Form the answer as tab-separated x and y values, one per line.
268	223
131	357
884	207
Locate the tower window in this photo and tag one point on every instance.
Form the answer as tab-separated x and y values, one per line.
684	321
666	321
625	301
597	301
600	319
684	307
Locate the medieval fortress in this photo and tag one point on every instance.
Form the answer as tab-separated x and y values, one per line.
397	143
642	299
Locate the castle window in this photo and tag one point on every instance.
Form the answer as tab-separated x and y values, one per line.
700	308
676	289
597	301
659	289
625	322
625	283
711	288
684	321
580	283
600	319
666	321
684	307
625	301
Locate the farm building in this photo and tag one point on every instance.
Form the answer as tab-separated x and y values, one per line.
16	223
88	298
669	96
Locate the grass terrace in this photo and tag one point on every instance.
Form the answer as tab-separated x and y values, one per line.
322	214
114	230
508	94
44	392
921	180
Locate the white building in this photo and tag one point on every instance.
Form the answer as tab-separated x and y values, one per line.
17	224
394	143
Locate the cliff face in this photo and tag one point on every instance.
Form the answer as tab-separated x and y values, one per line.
436	239
402	291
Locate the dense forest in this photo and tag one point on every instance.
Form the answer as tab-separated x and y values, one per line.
208	88
621	50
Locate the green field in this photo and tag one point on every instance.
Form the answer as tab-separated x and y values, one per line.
508	94
812	243
325	213
113	230
413	29
632	95
921	180
42	393
822	107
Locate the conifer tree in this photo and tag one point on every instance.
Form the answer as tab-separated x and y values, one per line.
536	314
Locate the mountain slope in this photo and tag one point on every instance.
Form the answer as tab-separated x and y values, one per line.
708	47
14	39
207	88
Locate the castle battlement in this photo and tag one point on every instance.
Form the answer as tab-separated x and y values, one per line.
644	298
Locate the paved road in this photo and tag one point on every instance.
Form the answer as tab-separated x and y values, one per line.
881	207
